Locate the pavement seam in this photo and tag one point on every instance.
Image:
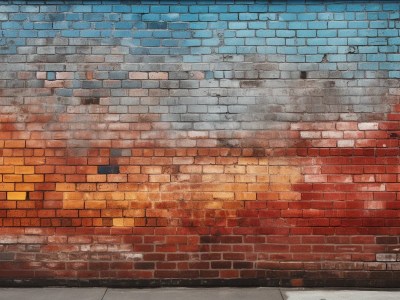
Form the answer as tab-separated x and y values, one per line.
280	291
105	292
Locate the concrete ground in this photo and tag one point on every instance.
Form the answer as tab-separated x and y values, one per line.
194	294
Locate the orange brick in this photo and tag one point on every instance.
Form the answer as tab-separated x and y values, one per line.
159	178
73	204
26	187
246	196
257	170
65	187
33	178
97	178
95	204
6	169
24	169
117	178
12	178
14	161
151	169
16	196
6	187
138	75
213	169
158	75
15	144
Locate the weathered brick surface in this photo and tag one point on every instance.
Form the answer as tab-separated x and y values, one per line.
200	140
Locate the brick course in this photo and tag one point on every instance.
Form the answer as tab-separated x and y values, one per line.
219	143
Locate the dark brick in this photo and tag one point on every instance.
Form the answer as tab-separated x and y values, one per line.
108	169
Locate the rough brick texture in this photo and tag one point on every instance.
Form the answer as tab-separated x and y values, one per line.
251	141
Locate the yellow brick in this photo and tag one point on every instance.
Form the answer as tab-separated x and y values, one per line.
33	178
26	187
223	195
118	222
12	178
24	169
129	222
16	196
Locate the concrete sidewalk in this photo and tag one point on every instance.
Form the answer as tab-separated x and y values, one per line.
194	294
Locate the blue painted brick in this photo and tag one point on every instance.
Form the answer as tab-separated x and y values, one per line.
394	41
386	49
93	17
388	32
234	41
387	66
191	43
307	17
359	24
170	43
368	49
258	8
89	33
317	41
347	32
316	8
393	57
248	16
296	58
266	50
157	25
151	17
336	7
218	8
237	25
377	41
265	33
51	76
246	49
170	17
200	50
181	35
318	25
70	33
227	50
151	42
159	9
121	8
350	16
238	8
358	41
296	8
229	17
102	8
277	25
285	33
211	42
306	33
355	7
373	7
298	25
255	41
308	50
203	34
208	17
277	8
376	57
18	25
379	24
288	17
179	9
198	25
189	18
338	24
192	59
287	50
141	9
80	25
368	32
198	9
28	33
314	58
18	17
28	26
394	74
258	25
162	34
296	42
74	17
370	66
275	41
330	33
61	25
103	25
81	8
218	25
267	17
245	33
327	49
326	16
122	33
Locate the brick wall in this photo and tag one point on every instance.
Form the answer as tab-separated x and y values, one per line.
214	142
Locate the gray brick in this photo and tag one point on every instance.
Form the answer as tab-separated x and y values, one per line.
131	84
189	84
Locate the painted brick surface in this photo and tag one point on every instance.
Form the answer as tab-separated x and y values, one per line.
250	141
